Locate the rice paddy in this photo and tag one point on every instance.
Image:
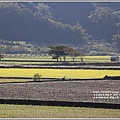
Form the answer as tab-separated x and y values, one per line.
57	73
30	111
49	58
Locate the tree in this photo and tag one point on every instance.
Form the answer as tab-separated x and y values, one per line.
116	37
81	56
43	11
1	56
37	77
63	51
82	31
102	13
74	52
1	49
118	27
58	51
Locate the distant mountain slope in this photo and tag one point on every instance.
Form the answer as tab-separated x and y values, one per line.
73	12
51	23
33	23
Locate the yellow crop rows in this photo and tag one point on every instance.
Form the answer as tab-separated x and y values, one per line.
57	73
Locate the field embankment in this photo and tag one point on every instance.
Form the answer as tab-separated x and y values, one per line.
59	65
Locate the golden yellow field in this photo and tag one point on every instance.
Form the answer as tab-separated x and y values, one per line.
57	73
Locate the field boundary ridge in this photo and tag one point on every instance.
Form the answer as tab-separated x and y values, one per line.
60	103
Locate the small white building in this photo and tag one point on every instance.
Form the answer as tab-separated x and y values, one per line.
114	58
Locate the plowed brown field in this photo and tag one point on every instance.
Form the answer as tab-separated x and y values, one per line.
72	91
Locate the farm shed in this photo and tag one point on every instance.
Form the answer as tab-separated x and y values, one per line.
114	58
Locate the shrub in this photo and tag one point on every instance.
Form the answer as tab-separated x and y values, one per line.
37	77
63	78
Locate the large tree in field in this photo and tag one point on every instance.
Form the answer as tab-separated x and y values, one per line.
58	51
63	51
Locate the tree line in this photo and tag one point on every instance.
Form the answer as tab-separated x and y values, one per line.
59	51
89	48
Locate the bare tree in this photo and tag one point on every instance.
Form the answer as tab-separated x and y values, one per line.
74	52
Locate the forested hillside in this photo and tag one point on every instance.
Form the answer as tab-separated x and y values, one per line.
35	25
91	26
98	18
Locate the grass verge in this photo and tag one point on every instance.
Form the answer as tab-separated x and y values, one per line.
29	111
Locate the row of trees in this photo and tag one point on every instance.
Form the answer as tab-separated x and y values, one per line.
21	47
60	51
99	47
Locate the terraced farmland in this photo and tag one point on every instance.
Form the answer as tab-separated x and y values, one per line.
57	90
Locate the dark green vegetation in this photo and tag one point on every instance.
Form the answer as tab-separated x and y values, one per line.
34	24
93	27
21	47
64	51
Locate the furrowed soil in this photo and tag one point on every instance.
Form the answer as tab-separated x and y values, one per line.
72	91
